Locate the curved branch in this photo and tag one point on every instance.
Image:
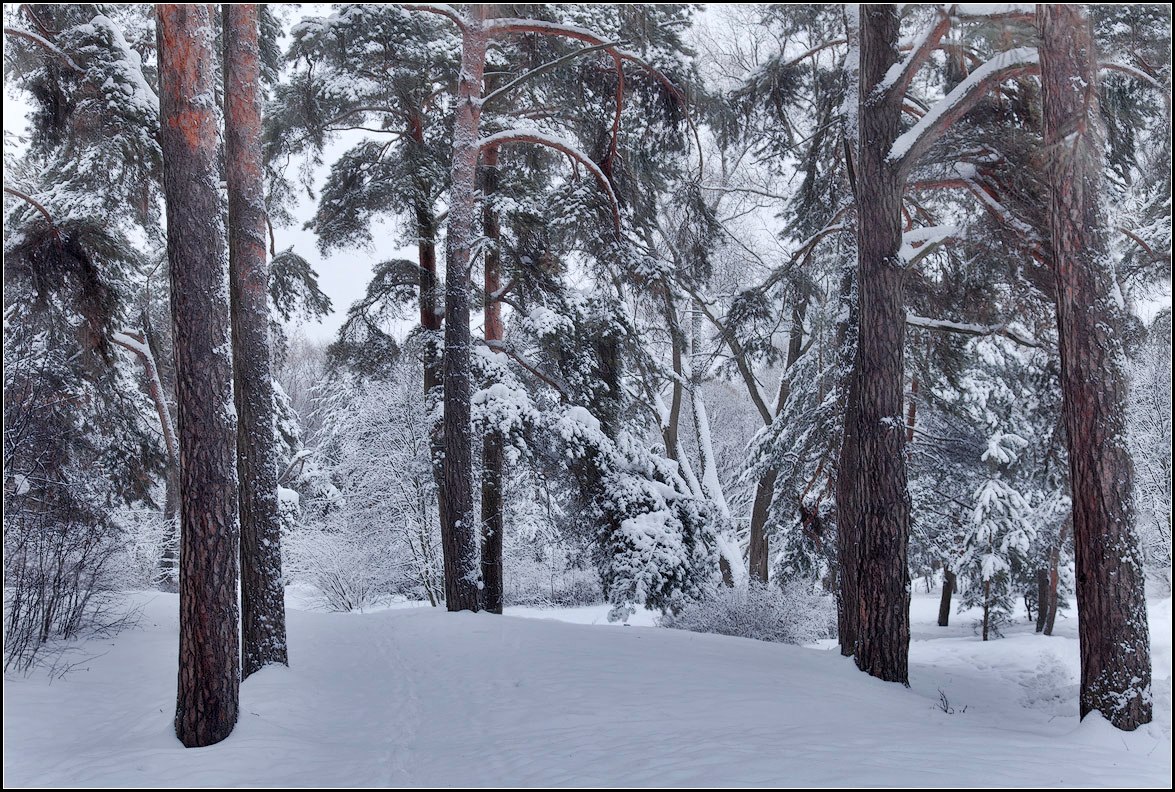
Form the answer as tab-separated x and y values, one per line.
509	25
914	142
897	80
964	328
32	202
538	138
48	45
543	69
442	9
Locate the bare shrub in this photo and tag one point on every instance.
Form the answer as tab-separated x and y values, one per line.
796	613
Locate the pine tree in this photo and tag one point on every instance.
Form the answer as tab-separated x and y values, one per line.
263	613
209	663
1115	643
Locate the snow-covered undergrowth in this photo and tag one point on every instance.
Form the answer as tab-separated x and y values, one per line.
795	614
417	696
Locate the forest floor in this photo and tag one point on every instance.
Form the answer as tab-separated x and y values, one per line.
417	696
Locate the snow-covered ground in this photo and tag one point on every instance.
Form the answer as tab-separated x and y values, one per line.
417	696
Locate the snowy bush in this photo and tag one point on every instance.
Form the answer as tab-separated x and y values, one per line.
796	613
376	533
61	582
351	570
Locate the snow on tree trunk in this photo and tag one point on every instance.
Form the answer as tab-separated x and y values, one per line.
944	604
1112	626
209	681
492	524
1042	597
140	345
730	562
263	609
457	529
883	520
1055	575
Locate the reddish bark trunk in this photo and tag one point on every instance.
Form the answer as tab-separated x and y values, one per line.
457	527
1115	643
207	700
263	609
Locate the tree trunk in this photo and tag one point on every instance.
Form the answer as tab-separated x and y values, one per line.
1042	597
848	492
1111	606
759	549
729	555
430	319
1055	575
457	527
944	605
207	701
986	607
492	524
884	518
263	608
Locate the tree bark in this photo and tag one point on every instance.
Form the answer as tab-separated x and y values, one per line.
883	596
848	492
207	700
1111	606
492	524
457	527
1042	597
758	551
986	607
430	317
1055	575
263	609
944	605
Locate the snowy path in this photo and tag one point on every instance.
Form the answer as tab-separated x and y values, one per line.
421	697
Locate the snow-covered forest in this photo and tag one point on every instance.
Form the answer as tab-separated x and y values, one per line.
573	394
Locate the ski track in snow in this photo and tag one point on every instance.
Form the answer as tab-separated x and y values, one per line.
417	696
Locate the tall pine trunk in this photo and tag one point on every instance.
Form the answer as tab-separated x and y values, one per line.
1111	606
944	604
883	594
457	527
492	524
209	681
848	492
263	609
430	316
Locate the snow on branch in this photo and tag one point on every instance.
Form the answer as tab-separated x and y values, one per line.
898	78
918	242
46	44
965	328
132	341
543	139
443	9
996	12
914	142
33	203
